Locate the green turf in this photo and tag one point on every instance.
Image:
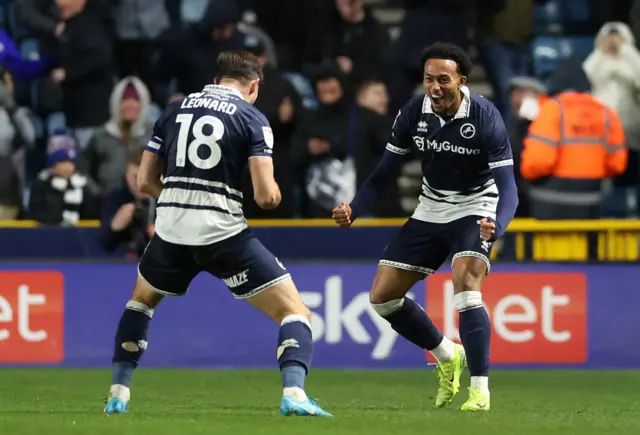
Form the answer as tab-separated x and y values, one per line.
173	402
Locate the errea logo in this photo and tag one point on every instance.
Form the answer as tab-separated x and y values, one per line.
423	127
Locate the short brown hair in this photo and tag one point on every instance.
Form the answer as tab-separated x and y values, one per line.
239	65
135	157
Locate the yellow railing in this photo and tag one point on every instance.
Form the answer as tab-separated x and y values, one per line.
617	240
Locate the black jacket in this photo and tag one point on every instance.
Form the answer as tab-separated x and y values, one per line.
84	52
134	238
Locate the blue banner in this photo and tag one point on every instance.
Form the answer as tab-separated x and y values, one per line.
554	316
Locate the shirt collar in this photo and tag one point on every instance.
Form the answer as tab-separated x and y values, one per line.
223	89
463	111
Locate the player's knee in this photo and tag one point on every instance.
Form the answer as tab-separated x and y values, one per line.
379	296
387	308
298	310
145	295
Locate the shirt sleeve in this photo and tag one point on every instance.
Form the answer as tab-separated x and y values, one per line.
156	144
261	136
496	140
400	141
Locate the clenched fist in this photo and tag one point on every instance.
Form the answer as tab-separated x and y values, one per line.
487	229
342	215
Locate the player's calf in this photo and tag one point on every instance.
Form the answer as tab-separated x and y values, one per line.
406	317
295	346
475	326
130	344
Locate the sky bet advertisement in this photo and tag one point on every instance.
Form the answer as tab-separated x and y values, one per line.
542	316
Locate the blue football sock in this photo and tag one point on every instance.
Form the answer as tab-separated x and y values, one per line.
409	320
294	350
475	331
130	341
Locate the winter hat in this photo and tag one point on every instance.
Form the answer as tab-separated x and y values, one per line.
61	155
61	147
130	92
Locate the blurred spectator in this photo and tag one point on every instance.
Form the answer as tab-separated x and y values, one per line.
84	66
139	24
292	36
19	66
129	128
127	213
354	41
527	95
62	195
10	192
613	69
189	56
17	132
255	36
281	104
574	144
42	19
336	146
372	94
504	31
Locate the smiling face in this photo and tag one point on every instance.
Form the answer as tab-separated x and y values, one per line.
442	83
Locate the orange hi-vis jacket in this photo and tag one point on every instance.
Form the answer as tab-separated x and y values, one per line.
572	145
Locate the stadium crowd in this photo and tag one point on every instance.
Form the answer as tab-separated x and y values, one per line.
84	80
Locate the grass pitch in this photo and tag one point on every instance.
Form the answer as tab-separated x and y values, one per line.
174	402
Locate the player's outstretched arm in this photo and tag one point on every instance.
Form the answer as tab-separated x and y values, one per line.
149	174
266	192
375	184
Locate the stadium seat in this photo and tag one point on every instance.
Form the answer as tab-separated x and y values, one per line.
3	16
56	121
192	11
30	49
304	89
574	15
154	113
15	29
546	18
39	126
548	50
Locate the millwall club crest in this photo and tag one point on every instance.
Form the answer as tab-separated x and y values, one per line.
467	131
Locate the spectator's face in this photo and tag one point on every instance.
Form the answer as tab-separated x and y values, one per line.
442	83
130	110
64	169
518	95
610	44
329	91
223	33
71	4
7	79
350	9
375	97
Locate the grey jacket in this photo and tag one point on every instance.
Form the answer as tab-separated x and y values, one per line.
140	19
104	159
